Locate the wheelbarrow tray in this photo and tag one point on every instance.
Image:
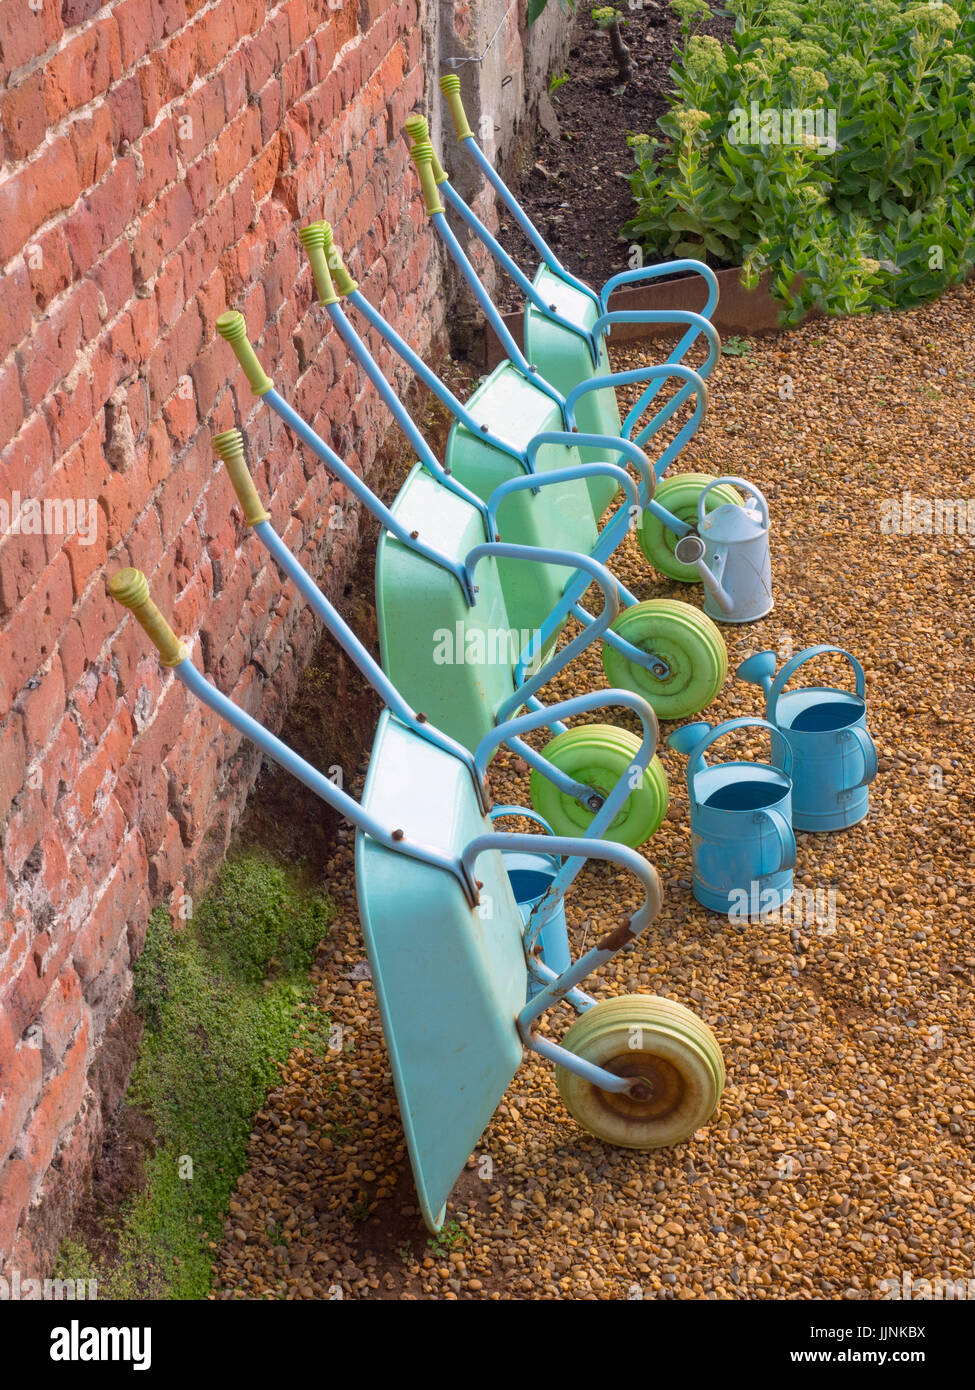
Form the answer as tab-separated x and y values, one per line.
564	359
428	634
560	516
450	979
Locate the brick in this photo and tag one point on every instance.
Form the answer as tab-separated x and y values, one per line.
42	707
104	932
30	637
11	403
54	347
14	1197
83	69
58	1106
93	141
60	1017
20	1094
13	761
124	103
162	230
47	185
25	33
102	215
77	11
15	305
158	152
49	265
28	460
22	112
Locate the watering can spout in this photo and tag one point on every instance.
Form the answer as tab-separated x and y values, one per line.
758	670
689	550
688	736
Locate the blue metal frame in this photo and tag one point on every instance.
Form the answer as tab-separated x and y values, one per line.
563	988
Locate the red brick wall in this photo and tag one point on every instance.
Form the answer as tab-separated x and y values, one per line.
156	155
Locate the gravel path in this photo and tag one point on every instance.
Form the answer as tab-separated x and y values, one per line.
842	1151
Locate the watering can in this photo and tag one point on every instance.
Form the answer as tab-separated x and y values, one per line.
731	554
532	875
741	833
824	732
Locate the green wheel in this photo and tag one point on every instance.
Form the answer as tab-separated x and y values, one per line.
679	495
686	639
599	754
675	1055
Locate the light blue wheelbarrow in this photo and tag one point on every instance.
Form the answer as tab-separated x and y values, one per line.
490	439
440	636
459	964
533	492
460	664
566	325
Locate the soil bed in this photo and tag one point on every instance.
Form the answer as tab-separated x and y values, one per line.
577	190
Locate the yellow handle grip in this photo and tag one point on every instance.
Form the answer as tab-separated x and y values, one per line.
231	326
131	588
230	447
344	282
418	129
422	156
312	239
450	86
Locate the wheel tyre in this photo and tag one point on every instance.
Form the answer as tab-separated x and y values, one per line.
683	636
676	1053
599	754
679	495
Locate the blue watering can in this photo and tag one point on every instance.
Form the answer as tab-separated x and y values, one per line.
532	875
833	758
742	843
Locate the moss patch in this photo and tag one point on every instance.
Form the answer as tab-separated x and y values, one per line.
224	999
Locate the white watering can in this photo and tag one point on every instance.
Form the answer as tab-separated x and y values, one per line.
731	554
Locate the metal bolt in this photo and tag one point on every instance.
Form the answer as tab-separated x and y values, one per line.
398	835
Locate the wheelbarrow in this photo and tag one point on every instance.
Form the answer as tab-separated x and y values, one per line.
441	922
593	778
490	437
566	322
669	652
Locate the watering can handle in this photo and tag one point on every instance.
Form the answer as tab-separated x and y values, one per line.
793	664
498	812
738	482
696	759
869	750
786	839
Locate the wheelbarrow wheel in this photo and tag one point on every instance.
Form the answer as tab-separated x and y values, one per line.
598	755
676	1056
679	495
682	636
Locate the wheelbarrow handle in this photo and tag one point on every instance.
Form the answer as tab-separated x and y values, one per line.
418	132
450	86
423	156
233	329
800	658
500	812
229	445
312	238
626	448
651	272
678	316
131	588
